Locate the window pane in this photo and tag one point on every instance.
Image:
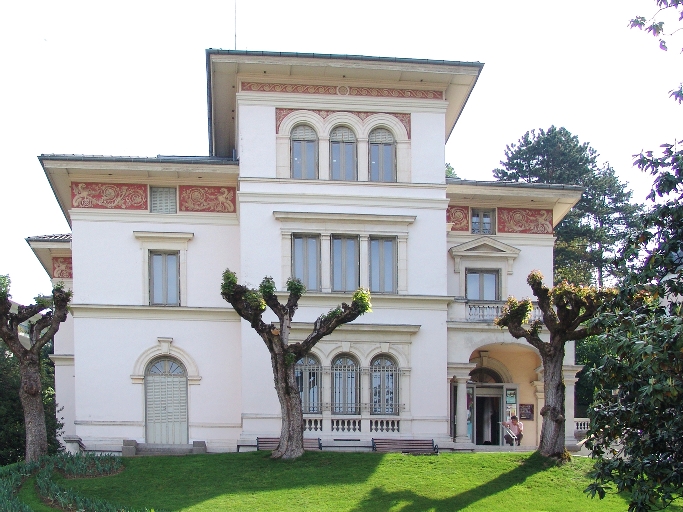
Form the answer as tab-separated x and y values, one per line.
312	277
172	278
299	258
310	160
388	265
475	222
374	265
335	152
297	162
374	162
489	286
351	264
337	264
157	279
486	223
350	161
473	286
388	162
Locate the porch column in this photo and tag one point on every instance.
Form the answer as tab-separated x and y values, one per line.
569	375
540	402
461	374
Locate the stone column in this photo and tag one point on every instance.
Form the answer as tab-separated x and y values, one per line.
461	375
540	402
569	375
364	261
325	278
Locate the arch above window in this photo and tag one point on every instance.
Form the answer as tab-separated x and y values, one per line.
164	349
382	155
304	152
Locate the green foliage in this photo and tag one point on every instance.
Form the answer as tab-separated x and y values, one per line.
229	282
295	286
334	313
593	231
362	298
514	311
450	172
267	286
5	283
290	359
255	300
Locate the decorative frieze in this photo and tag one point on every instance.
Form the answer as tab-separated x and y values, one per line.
112	196
62	268
525	220
458	217
207	199
342	90
281	113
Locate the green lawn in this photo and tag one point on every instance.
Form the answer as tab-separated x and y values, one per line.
348	481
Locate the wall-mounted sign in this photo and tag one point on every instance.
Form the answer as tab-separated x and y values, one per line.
526	411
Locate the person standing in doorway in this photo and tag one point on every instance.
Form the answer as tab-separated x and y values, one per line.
517	428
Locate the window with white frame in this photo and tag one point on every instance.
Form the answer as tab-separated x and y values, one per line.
383	264
483	221
306	260
162	200
382	148
384	373
308	374
345	385
304	148
345	263
343	160
482	284
164	278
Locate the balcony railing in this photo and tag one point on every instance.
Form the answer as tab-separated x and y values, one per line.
482	311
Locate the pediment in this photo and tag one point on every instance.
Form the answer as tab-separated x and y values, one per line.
485	245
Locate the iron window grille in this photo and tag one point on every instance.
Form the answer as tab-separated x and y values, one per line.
384	375
308	374
345	385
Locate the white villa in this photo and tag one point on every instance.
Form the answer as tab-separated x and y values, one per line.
329	168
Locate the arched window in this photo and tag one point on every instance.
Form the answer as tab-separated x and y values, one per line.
166	402
308	374
485	375
304	143
345	385
382	155
343	162
384	385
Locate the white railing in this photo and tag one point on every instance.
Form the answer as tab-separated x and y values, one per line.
313	424
582	424
387	425
346	425
489	311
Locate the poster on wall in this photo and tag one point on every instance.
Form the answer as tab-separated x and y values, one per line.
526	411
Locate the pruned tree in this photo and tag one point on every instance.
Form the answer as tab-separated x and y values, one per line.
566	311
250	304
41	329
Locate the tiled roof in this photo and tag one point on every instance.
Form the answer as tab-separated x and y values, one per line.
164	159
66	237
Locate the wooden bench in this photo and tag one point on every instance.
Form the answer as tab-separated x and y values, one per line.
405	446
271	443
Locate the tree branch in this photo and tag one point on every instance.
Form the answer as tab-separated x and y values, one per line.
325	324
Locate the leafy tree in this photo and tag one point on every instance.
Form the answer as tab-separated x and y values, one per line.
566	309
41	329
250	305
450	172
590	234
636	430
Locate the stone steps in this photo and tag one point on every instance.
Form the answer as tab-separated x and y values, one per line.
132	448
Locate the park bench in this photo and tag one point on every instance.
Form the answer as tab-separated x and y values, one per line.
425	446
271	443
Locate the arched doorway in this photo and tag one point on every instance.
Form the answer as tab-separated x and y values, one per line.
166	402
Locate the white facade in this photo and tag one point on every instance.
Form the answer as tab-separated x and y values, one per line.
439	257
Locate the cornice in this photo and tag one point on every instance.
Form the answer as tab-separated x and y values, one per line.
513	239
379	301
190	218
360	218
342	200
153	312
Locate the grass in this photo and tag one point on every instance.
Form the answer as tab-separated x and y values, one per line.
359	482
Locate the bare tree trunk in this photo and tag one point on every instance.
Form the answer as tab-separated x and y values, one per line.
552	432
292	435
31	397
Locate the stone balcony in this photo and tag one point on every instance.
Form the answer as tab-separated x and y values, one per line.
463	310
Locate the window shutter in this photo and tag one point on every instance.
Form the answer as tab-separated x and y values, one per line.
381	136
162	200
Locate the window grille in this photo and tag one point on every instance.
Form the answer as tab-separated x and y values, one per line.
162	199
306	260
483	222
164	278
304	147
382	155
383	269
384	385
308	374
345	264
343	162
345	385
482	284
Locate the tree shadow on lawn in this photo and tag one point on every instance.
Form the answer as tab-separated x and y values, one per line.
379	500
173	483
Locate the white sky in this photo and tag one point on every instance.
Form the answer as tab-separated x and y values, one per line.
129	78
